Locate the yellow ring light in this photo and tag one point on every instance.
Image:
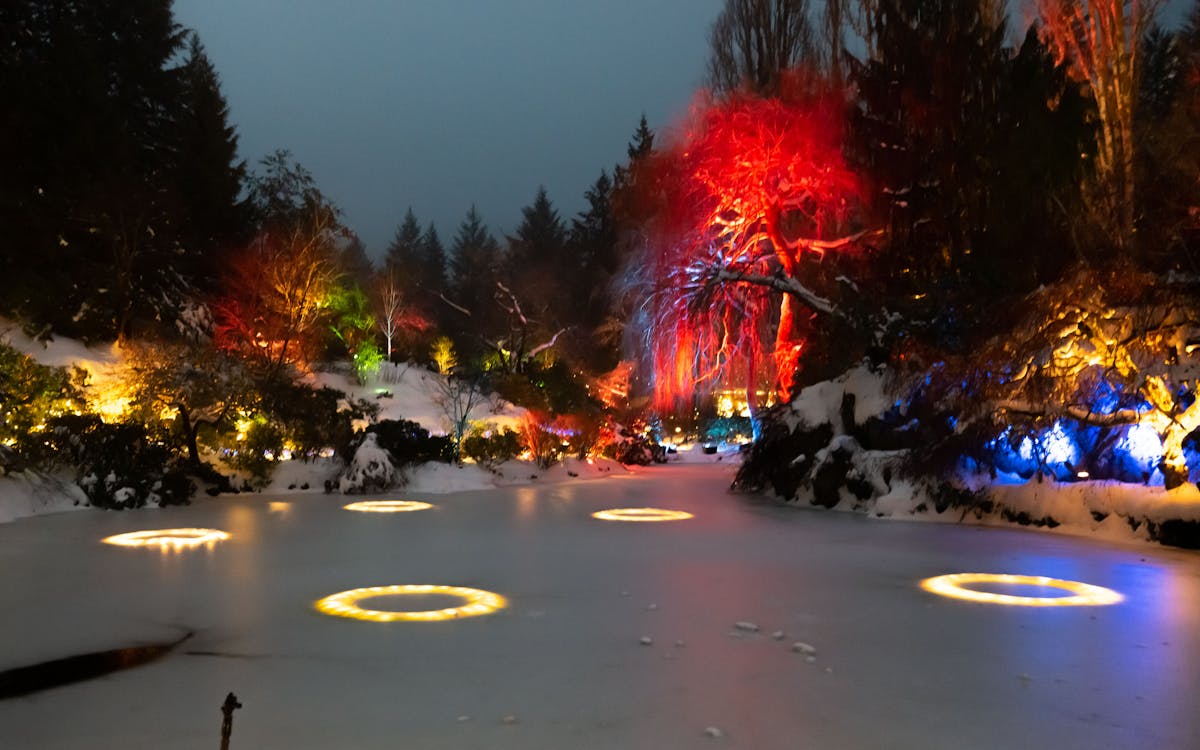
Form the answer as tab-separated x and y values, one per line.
641	515
167	538
1083	594
345	603
387	506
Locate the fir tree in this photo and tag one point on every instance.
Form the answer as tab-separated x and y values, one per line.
89	216
433	261
540	238
404	250
474	271
209	172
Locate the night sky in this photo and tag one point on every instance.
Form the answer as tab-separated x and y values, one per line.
439	104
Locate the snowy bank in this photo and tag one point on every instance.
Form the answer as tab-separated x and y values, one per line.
843	445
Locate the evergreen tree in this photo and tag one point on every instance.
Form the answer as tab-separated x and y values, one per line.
404	251
474	271
643	141
593	242
209	174
593	236
1167	129
624	176
540	274
540	238
433	261
90	219
355	264
943	115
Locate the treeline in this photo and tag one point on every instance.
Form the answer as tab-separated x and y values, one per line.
126	212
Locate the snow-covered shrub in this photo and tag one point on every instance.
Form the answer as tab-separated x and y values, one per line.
631	446
372	469
839	441
409	443
117	465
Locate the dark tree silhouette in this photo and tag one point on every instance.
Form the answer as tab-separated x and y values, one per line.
754	41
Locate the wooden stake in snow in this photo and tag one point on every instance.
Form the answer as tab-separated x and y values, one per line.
227	708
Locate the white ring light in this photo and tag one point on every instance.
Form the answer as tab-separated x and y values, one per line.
1083	594
642	515
167	538
387	506
345	603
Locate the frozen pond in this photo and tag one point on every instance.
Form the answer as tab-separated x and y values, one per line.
895	667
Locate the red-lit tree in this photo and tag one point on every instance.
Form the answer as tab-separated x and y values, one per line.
751	191
278	292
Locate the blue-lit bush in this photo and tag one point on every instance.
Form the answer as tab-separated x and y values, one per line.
1068	451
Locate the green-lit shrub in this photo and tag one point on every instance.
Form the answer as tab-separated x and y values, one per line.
258	450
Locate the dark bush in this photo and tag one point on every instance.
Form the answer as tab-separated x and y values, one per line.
782	458
313	419
410	443
117	465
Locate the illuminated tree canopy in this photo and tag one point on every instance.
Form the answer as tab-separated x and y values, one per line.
752	191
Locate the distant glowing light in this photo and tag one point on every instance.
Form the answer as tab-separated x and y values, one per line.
345	603
387	506
641	514
168	538
1083	594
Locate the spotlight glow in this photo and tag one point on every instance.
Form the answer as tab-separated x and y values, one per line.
1084	594
168	538
345	603
387	506
641	514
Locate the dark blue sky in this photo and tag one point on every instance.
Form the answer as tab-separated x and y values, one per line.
439	104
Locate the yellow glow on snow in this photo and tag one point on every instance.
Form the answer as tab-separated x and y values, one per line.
641	514
168	538
1084	594
345	603
387	506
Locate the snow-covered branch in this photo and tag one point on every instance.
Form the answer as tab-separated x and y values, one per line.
787	285
544	346
1081	414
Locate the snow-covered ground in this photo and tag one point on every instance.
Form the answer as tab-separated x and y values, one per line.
564	665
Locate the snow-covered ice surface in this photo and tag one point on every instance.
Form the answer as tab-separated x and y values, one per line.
563	666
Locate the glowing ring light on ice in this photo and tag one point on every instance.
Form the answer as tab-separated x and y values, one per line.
387	506
345	603
641	515
1083	594
172	538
